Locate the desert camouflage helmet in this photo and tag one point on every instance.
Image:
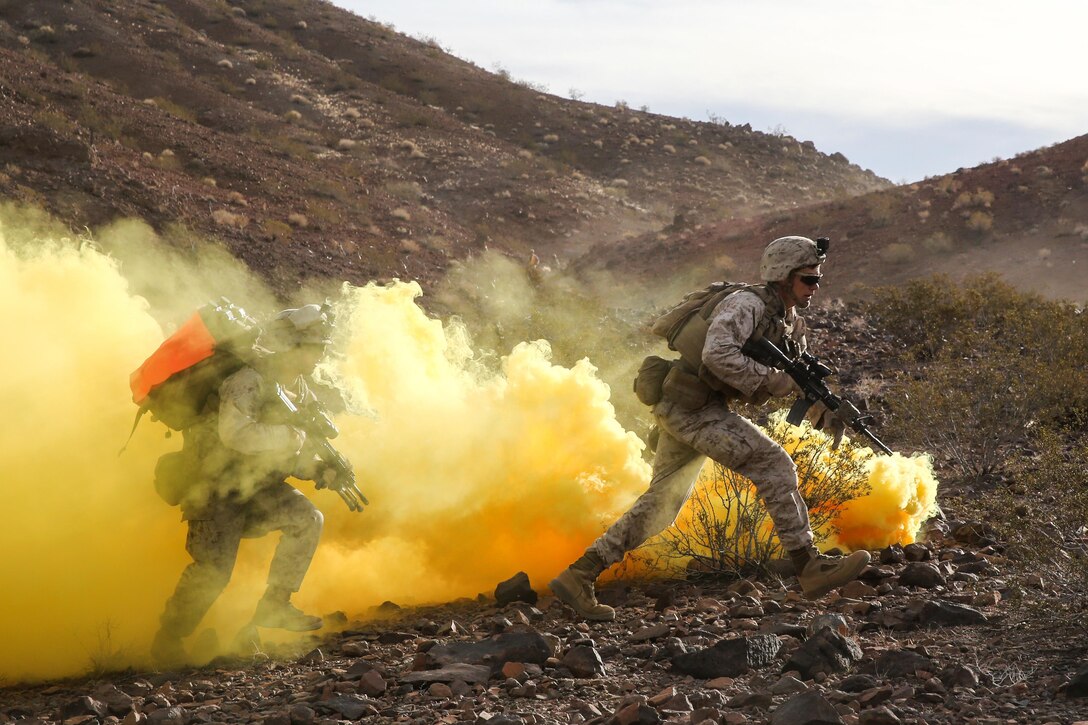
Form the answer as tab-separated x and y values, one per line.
306	325
786	254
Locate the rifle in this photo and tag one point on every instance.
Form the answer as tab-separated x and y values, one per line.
319	429
809	373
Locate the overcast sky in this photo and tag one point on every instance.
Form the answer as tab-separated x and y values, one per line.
907	88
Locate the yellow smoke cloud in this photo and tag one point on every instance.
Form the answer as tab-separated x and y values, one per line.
473	473
901	496
475	470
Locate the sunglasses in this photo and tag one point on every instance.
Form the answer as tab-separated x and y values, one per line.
810	279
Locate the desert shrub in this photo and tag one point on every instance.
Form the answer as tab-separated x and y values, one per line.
107	125
897	253
404	190
229	219
54	121
175	110
881	208
725	527
985	365
948	185
980	221
1042	518
275	229
411	118
939	243
980	199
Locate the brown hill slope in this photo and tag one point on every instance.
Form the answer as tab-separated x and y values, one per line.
316	143
1026	218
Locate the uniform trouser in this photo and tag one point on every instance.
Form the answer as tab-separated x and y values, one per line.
213	541
686	438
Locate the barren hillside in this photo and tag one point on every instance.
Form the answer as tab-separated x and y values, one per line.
316	143
1025	218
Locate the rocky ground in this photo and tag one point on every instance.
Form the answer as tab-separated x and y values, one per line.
949	630
926	635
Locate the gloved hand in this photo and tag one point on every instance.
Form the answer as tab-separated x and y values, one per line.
780	384
821	418
328	478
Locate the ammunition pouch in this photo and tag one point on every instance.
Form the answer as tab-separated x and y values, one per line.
174	473
651	376
687	389
690	339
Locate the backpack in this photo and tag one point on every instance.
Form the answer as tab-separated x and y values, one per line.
685	325
176	381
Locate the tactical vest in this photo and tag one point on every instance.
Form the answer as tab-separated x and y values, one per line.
686	325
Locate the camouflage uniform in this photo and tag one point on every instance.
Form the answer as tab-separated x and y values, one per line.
687	436
243	464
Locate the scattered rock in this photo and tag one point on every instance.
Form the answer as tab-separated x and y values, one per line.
825	652
584	662
941	612
515	589
494	651
450	673
808	708
729	657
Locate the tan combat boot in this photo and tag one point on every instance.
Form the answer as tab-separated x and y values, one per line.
574	587
277	612
167	650
818	573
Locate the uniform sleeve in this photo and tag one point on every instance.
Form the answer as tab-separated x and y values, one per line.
240	403
734	321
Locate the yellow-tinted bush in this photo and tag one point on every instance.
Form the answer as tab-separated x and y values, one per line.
725	523
985	364
939	243
980	221
897	253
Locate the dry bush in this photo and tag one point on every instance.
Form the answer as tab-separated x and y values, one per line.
1042	518
229	219
275	229
939	243
881	208
981	198
404	190
980	221
948	184
897	253
988	365
725	526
